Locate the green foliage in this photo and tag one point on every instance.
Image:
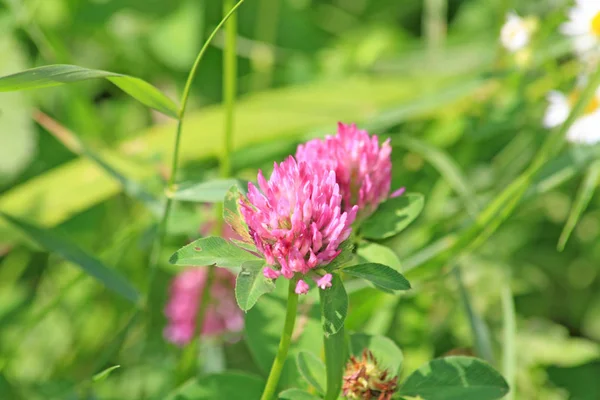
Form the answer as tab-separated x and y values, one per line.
334	306
380	275
228	385
251	284
212	191
53	242
312	370
212	250
55	75
100	376
393	216
297	394
454	378
336	354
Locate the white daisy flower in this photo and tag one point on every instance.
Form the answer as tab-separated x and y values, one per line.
515	33
584	26
586	128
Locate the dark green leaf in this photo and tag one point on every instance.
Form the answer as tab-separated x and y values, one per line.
455	378
51	241
213	191
212	250
99	377
393	216
312	369
251	284
334	306
336	354
54	75
228	385
344	257
381	275
387	354
297	394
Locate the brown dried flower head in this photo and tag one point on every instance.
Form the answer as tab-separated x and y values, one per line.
365	380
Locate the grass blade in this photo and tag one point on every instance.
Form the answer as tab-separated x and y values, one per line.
51	241
584	195
60	74
509	334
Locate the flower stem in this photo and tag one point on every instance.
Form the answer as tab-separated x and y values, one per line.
158	242
284	343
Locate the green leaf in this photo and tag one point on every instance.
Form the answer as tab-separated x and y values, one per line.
51	241
377	253
228	385
387	354
345	256
212	250
212	191
584	195
313	370
336	354
393	216
381	275
99	377
334	306
297	394
59	74
231	213
251	284
455	378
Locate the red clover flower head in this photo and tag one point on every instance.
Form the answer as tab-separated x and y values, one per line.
363	167
296	220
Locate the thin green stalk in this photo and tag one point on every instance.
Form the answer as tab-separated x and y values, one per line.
434	23
284	343
158	242
265	31
509	334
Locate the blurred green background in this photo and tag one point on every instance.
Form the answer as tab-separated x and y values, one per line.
464	118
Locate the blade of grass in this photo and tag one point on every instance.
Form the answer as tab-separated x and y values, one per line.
50	240
584	195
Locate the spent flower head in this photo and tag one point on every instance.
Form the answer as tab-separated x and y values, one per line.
364	379
222	314
363	167
296	220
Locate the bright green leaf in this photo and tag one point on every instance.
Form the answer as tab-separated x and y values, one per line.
99	377
313	370
297	394
251	284
393	216
212	250
381	275
212	191
59	74
455	378
336	354
51	241
334	306
377	253
387	354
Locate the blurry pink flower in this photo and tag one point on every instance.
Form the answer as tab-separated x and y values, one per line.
302	287
222	314
325	281
363	168
296	219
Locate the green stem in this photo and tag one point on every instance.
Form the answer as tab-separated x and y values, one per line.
434	24
158	242
229	90
284	343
